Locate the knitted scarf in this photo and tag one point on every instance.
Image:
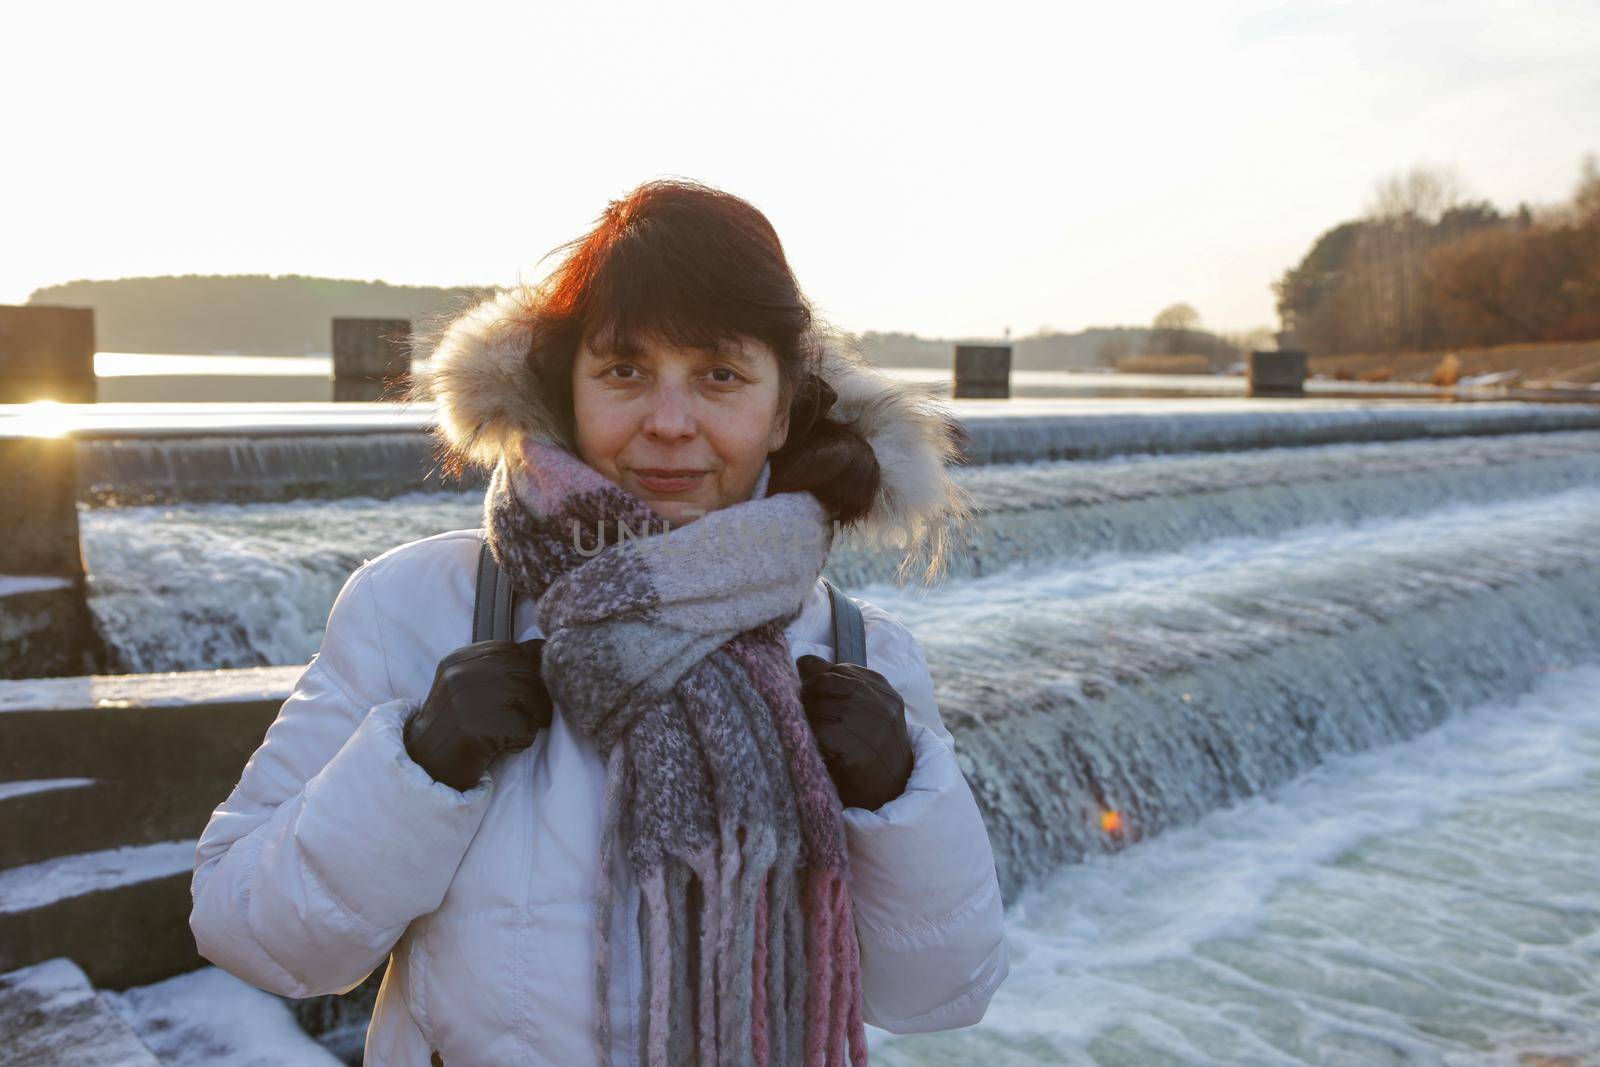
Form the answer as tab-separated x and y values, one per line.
665	645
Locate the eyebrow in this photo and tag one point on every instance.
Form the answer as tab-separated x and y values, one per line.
728	351
721	349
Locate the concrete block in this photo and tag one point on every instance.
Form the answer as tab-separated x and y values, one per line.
108	781
46	353
39	522
371	357
164	745
123	935
47	632
1280	373
52	820
983	371
51	1016
45	626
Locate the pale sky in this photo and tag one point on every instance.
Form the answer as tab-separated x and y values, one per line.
944	170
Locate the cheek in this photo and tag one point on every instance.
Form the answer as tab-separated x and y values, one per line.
744	433
602	429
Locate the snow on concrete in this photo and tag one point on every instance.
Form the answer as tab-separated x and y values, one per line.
40	785
208	1017
13	584
147	690
51	1017
55	984
38	884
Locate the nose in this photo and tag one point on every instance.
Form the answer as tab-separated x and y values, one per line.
672	416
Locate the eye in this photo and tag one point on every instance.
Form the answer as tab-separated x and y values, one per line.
726	370
623	366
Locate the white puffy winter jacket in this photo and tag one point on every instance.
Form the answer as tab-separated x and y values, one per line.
335	850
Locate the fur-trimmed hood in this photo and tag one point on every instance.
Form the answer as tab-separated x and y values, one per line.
487	402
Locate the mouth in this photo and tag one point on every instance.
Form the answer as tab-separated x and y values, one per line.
663	480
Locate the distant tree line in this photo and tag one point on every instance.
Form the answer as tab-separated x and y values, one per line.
1423	269
1176	343
1045	349
291	314
253	314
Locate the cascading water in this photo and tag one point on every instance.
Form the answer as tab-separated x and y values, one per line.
191	586
1430	903
1136	504
159	470
1163	687
1348	685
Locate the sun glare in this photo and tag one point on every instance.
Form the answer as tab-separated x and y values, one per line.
42	418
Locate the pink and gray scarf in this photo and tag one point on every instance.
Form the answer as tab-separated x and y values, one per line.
666	647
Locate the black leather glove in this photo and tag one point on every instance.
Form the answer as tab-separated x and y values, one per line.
487	698
860	725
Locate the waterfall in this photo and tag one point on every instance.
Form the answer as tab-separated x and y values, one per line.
1153	503
1151	636
1226	653
1163	688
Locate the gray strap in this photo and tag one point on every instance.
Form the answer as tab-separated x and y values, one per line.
491	607
849	631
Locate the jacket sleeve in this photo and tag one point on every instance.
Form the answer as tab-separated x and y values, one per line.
334	839
929	917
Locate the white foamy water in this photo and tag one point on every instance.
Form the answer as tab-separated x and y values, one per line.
202	585
1434	902
1241	653
1457	546
242	585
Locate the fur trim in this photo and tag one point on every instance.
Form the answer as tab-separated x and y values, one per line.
485	399
486	402
919	507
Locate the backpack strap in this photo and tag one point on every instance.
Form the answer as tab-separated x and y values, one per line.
849	631
491	607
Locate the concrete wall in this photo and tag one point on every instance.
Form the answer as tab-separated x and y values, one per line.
983	371
46	353
45	627
1281	373
371	358
93	764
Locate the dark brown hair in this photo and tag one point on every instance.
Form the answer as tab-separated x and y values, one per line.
681	262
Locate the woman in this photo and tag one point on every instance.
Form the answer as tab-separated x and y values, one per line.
661	826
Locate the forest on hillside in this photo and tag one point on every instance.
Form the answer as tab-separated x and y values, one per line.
290	315
1425	269
1045	350
252	314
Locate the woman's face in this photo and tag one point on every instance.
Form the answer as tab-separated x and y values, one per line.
715	416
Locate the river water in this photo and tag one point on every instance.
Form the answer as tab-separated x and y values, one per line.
1343	701
1430	902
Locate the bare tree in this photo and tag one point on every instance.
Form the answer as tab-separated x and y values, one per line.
1177	317
1426	269
1423	192
1391	255
1172	328
1586	198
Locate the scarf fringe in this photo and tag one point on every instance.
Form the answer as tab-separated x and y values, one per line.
615	768
748	974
